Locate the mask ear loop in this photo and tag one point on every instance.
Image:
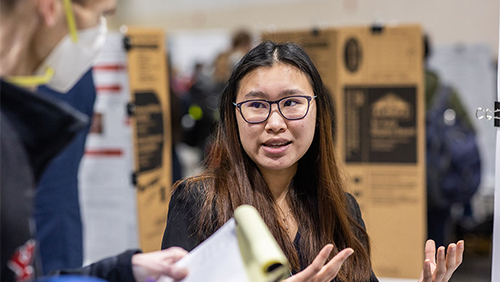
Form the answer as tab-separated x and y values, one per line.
32	81
36	80
70	19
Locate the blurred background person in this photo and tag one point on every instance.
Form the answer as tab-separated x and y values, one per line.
57	207
201	101
36	127
453	160
241	43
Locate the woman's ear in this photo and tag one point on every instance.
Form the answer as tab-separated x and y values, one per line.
50	11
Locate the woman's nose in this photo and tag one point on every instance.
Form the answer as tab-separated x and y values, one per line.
276	122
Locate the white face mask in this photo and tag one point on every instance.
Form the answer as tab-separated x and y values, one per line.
71	60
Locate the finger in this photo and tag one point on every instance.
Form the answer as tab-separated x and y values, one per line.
440	271
451	257
454	258
174	272
331	269
426	272
430	251
316	265
174	253
460	252
451	261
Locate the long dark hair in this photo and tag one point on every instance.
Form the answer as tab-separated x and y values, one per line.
317	195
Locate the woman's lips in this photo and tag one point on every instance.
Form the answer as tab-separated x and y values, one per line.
276	147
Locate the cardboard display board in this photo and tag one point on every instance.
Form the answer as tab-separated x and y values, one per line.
376	80
151	125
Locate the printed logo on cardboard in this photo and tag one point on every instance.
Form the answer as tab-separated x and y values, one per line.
391	106
380	125
352	55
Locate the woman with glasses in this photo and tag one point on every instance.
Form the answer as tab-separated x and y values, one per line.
274	150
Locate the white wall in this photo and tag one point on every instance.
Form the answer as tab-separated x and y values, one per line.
447	21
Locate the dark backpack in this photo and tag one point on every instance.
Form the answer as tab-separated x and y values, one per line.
453	161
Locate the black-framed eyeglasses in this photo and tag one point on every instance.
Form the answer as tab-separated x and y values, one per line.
258	110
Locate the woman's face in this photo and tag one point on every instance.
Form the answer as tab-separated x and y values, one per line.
276	144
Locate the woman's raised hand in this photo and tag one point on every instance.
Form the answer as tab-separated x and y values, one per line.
318	271
441	268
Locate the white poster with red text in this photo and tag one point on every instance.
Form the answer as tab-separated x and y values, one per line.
107	195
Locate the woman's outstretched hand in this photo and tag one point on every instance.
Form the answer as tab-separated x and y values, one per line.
318	271
441	268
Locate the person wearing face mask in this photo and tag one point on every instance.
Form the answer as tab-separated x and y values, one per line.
34	127
57	209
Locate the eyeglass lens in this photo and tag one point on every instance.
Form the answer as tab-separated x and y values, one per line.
255	111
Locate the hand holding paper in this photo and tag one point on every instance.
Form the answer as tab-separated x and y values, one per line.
242	250
152	265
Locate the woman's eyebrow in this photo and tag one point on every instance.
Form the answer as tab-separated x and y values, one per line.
262	95
289	92
255	94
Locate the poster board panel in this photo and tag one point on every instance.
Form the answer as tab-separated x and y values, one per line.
376	81
148	77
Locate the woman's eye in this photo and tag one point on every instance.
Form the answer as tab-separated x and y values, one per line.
257	105
290	103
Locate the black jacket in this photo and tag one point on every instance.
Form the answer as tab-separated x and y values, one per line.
185	205
34	129
113	269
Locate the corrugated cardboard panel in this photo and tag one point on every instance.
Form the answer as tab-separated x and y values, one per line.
151	124
376	80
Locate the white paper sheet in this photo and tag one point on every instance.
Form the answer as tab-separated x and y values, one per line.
107	195
217	259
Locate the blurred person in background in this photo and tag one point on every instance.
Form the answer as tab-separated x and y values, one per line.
57	207
200	105
204	95
453	160
40	45
241	43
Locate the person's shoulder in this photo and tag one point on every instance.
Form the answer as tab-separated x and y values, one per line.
192	187
352	205
187	196
350	199
355	214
